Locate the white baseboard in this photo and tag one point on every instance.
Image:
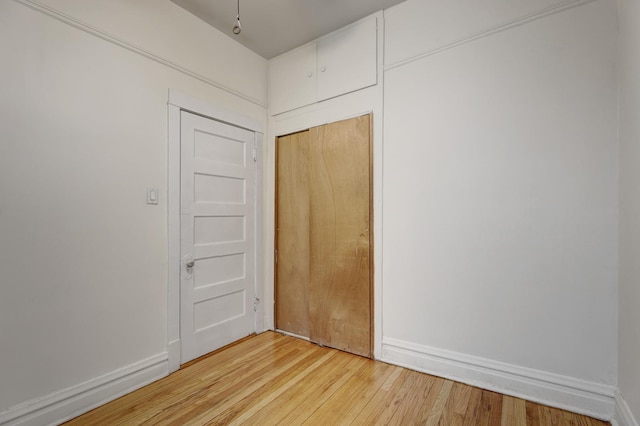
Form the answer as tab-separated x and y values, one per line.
589	398
624	416
71	402
174	351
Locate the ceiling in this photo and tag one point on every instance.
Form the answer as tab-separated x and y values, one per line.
271	27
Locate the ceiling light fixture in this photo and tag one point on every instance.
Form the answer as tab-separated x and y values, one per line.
237	28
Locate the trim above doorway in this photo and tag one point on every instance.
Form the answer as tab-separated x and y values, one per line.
177	102
206	109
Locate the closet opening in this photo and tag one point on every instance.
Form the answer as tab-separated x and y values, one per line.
324	238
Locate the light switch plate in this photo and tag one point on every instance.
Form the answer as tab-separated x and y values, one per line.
152	195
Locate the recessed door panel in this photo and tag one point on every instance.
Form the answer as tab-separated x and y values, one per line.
217	310
218	229
218	189
218	269
219	148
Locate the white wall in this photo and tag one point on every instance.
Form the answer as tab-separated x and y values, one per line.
500	200
629	326
419	27
83	133
171	33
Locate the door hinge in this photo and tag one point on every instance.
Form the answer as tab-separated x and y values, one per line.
276	256
256	302
255	155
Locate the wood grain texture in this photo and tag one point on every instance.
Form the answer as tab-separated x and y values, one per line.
292	234
270	379
514	411
323	237
340	287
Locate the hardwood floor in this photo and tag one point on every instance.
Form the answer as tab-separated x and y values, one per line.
272	379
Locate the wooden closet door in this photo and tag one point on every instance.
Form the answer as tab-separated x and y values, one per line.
292	234
339	188
323	222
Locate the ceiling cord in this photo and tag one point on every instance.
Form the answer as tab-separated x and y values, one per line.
237	27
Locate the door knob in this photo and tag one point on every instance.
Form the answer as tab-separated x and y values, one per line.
191	264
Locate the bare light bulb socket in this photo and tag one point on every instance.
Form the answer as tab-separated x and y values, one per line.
237	28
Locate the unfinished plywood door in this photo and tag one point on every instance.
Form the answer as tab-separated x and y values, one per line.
339	291
323	282
293	233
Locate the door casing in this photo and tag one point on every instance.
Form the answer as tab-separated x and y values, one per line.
177	102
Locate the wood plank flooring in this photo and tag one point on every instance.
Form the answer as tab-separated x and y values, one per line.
272	379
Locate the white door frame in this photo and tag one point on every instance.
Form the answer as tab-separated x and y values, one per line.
177	102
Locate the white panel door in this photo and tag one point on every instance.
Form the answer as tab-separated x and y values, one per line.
217	225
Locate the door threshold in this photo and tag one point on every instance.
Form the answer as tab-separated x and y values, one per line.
297	336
